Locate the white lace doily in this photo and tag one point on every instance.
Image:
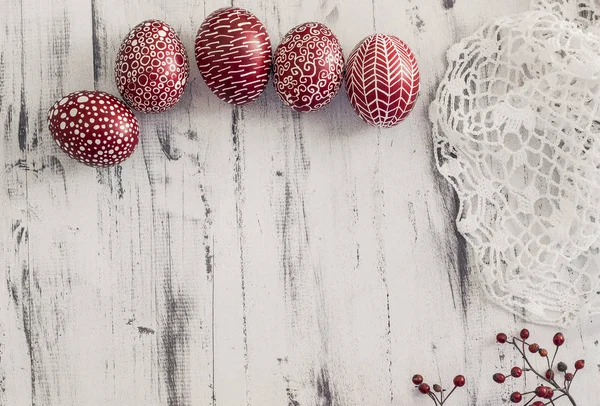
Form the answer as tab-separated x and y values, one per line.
516	126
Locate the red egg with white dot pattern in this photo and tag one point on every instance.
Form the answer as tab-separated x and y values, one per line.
152	67
233	53
308	67
94	128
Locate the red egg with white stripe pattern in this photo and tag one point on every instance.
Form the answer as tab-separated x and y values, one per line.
233	53
152	67
308	67
94	128
382	80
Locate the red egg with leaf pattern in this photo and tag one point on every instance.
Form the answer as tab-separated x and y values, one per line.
382	80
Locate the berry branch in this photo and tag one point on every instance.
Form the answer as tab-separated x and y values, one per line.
425	389
546	391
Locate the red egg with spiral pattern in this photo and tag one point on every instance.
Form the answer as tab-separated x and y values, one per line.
152	67
308	67
233	54
382	80
94	128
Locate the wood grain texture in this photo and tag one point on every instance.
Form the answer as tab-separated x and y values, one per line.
244	255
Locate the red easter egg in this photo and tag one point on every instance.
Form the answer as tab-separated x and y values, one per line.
94	128
152	67
233	53
308	67
382	80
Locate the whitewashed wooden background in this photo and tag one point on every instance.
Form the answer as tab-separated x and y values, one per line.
242	256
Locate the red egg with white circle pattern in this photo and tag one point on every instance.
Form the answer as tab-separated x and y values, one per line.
152	67
382	80
94	128
233	54
308	67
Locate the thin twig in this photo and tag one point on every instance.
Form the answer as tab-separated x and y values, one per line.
435	399
531	367
451	392
554	357
530	400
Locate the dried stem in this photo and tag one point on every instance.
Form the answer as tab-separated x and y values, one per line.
554	357
435	399
451	392
441	399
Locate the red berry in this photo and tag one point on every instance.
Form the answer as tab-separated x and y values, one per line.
459	381
533	348
501	338
550	374
424	388
541	391
559	339
543	352
538	403
524	334
437	388
550	394
516	372
417	379
568	377
516	397
499	378
579	364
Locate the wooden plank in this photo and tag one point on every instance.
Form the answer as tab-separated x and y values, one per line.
52	310
242	256
180	169
304	264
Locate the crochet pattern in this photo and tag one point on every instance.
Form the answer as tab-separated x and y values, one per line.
584	13
516	129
